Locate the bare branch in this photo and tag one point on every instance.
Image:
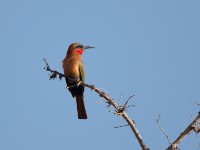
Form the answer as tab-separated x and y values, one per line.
54	73
122	126
120	110
126	104
124	108
191	127
110	101
120	99
163	131
124	115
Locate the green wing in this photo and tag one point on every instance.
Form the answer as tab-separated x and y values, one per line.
82	71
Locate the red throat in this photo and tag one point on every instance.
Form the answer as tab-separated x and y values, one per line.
79	51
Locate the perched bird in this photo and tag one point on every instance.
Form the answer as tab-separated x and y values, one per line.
74	70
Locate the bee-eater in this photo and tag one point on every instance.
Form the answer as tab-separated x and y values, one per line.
74	70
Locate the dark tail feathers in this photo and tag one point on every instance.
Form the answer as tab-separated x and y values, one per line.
81	107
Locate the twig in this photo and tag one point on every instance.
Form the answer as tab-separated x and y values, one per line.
163	131
191	127
126	104
120	98
54	73
122	126
110	100
123	108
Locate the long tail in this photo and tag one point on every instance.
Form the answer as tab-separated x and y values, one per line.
81	107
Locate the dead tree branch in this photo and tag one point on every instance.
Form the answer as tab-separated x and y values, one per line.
110	101
121	111
191	127
163	131
122	126
54	73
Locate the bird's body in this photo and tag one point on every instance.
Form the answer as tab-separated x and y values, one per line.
74	70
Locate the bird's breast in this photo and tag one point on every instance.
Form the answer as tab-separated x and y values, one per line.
71	68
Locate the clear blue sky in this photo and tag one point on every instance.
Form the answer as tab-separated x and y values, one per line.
147	48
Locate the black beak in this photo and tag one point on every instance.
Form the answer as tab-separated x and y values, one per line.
87	47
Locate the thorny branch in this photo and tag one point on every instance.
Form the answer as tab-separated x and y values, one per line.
124	107
120	110
54	73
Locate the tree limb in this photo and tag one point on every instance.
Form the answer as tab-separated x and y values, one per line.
54	73
110	100
121	112
191	127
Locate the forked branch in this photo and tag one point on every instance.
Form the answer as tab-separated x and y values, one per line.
121	111
110	101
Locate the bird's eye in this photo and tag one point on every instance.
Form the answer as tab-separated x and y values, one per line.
79	46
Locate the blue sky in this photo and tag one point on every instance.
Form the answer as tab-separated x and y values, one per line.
147	48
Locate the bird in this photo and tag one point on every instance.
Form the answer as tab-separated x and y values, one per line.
73	68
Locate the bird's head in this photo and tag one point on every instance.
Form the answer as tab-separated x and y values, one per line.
77	48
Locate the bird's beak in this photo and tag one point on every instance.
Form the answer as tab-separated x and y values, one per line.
87	47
